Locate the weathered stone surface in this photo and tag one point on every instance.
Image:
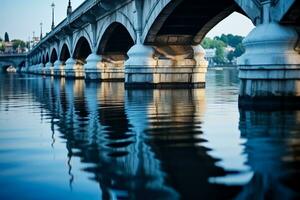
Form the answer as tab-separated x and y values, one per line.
49	69
59	69
270	66
73	69
143	69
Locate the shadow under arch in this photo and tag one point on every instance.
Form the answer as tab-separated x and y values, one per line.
47	58
113	47
82	50
186	22
64	53
53	56
116	40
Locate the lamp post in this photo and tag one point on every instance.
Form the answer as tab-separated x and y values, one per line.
69	9
53	6
41	36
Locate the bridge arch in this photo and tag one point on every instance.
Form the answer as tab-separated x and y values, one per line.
47	58
116	40
53	56
43	59
4	64
82	49
36	59
22	64
78	37
65	53
185	22
111	22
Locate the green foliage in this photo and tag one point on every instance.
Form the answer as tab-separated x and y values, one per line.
6	37
17	43
219	58
1	40
2	47
231	40
230	56
211	44
219	43
239	50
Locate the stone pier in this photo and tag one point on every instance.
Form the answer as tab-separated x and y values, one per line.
270	67
74	69
164	67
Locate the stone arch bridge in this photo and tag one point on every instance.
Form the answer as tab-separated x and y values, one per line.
156	43
16	60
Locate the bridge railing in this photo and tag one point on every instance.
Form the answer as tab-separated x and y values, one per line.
13	55
86	5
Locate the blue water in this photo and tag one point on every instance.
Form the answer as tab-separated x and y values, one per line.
67	139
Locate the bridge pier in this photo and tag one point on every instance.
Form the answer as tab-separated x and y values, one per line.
49	71
270	67
41	69
59	69
103	68
35	69
30	69
74	69
159	67
93	67
113	68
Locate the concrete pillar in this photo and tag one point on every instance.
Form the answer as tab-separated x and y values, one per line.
93	67
270	67
104	68
49	69
59	69
33	69
148	67
113	68
74	69
41	69
29	69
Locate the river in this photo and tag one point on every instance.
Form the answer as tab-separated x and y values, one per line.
71	139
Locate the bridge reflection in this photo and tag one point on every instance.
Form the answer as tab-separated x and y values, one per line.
273	148
148	144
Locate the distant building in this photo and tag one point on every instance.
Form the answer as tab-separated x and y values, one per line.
209	56
34	41
8	47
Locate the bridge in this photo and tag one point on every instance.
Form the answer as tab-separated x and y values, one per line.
16	60
156	43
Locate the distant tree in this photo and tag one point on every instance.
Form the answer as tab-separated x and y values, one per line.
6	37
230	56
2	47
219	58
1	40
231	40
239	50
220	42
17	43
208	43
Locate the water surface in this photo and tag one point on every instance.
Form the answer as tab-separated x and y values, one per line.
67	139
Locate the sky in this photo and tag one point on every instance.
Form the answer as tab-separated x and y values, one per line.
21	17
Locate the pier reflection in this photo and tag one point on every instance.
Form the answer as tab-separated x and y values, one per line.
156	144
135	143
273	149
